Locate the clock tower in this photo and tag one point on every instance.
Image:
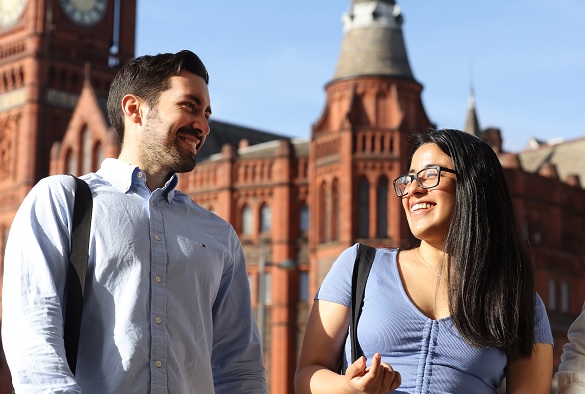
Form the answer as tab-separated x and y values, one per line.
50	50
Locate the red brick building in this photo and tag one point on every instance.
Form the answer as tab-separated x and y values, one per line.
290	200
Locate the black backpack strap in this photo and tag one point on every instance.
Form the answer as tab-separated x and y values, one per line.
361	270
77	269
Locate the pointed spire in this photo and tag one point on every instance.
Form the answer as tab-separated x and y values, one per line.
373	43
472	123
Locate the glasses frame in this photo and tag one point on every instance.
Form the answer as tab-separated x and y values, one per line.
414	177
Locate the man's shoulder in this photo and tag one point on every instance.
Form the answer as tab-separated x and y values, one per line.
201	212
54	185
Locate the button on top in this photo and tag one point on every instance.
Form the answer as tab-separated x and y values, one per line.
157	364
157	278
140	175
157	237
158	320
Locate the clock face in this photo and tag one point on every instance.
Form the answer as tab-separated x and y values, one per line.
84	12
10	11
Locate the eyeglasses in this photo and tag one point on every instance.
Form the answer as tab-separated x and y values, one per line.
426	178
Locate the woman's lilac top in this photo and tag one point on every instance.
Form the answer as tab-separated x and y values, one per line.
430	355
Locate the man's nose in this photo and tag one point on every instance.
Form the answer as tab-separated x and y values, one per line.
203	125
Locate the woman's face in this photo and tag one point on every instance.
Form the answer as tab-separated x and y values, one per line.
429	211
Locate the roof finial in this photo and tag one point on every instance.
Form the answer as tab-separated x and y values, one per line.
472	122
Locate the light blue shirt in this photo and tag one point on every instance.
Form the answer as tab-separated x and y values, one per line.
431	355
167	305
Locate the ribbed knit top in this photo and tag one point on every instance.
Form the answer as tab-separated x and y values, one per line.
430	354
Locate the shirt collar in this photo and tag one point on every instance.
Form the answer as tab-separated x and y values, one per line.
124	175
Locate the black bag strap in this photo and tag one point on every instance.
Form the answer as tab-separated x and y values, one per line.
77	269
361	271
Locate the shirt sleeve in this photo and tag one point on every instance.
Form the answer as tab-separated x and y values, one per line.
237	358
571	374
542	330
336	287
35	270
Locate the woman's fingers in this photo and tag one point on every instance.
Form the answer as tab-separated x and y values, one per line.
379	377
357	368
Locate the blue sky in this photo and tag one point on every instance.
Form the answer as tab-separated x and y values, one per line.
269	60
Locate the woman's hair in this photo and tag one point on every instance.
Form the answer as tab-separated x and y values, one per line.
491	289
147	77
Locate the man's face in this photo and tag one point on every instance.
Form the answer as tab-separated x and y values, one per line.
175	129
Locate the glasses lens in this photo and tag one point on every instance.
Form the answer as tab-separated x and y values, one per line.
429	177
400	185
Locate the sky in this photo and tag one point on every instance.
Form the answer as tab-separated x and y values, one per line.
269	60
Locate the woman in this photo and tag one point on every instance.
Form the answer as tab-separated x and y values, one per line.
456	314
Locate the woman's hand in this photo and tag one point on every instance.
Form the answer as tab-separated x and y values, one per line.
377	378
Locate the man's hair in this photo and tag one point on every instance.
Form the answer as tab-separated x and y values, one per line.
492	295
147	77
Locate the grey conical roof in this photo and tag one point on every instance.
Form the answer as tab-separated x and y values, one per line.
472	122
373	43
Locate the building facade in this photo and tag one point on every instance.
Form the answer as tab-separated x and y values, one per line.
296	203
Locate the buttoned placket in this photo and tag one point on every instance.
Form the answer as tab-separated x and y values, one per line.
158	264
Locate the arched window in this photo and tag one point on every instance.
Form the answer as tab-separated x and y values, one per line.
86	150
70	163
363	208
303	286
322	212
265	218
564	296
552	295
97	157
382	208
335	210
304	218
246	220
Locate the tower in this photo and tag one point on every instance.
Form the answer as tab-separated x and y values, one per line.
48	49
360	143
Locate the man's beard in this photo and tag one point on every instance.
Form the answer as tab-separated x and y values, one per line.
167	152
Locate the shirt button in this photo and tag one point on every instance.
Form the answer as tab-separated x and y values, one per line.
140	175
157	237
157	364
157	278
157	320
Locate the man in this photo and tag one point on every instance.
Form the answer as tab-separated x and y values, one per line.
571	374
167	302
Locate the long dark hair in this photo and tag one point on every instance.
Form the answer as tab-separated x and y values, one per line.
492	286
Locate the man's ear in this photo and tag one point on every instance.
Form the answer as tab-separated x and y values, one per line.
133	108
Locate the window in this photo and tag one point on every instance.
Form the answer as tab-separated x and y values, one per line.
86	150
335	210
304	286
70	163
323	212
265	218
552	295
304	218
364	209
382	208
267	288
97	157
246	220
564	297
